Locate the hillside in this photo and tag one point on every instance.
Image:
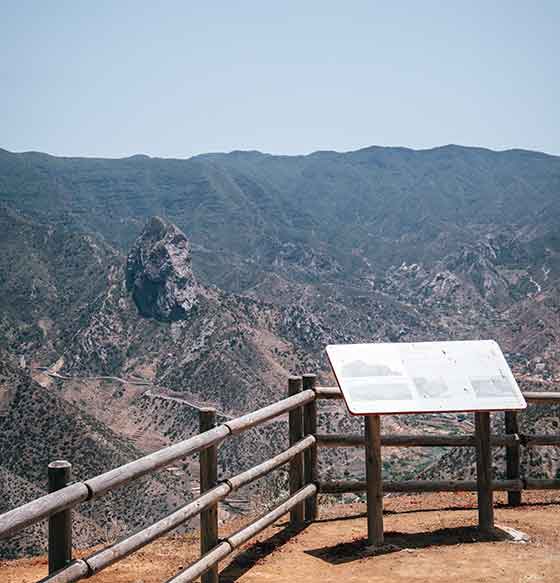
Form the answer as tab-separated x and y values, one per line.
379	229
134	291
38	426
51	276
341	214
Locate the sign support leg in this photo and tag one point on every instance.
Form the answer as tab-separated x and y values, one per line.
374	480
484	471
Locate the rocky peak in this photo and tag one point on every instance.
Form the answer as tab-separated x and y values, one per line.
159	273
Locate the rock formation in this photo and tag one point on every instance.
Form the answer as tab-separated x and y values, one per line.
159	273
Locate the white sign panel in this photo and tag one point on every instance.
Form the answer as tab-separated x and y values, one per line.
424	377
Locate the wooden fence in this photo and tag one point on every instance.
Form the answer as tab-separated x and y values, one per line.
512	440
304	483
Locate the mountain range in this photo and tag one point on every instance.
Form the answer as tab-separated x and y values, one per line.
134	291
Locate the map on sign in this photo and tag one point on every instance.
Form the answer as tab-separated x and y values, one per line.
424	377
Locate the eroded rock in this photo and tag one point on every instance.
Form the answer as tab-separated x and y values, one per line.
159	272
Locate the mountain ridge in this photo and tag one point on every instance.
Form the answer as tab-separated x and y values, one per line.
139	155
250	207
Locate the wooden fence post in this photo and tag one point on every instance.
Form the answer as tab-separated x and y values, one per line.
484	471
310	457
208	479
297	514
512	457
374	480
60	524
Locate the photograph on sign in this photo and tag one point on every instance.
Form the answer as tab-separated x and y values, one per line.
424	377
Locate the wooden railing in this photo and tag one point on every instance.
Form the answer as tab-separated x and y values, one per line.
512	439
304	483
56	506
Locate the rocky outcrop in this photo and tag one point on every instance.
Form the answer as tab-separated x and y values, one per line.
159	273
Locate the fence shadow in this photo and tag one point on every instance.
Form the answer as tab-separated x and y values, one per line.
397	541
387	512
247	559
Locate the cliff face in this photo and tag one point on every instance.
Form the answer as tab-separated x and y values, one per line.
159	273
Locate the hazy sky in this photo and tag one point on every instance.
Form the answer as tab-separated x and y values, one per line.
114	78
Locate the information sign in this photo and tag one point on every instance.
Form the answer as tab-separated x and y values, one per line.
424	377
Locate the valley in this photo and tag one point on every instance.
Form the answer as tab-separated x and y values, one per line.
135	291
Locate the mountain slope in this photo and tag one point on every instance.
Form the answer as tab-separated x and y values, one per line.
128	323
251	211
38	426
50	276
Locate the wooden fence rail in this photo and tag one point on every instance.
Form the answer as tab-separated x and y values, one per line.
242	536
45	506
110	555
357	440
56	504
512	440
304	482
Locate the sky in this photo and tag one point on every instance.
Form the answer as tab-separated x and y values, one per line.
179	78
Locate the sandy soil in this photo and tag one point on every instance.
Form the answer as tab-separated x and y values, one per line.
433	536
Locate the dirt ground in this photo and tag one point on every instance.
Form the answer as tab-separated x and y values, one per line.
432	538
